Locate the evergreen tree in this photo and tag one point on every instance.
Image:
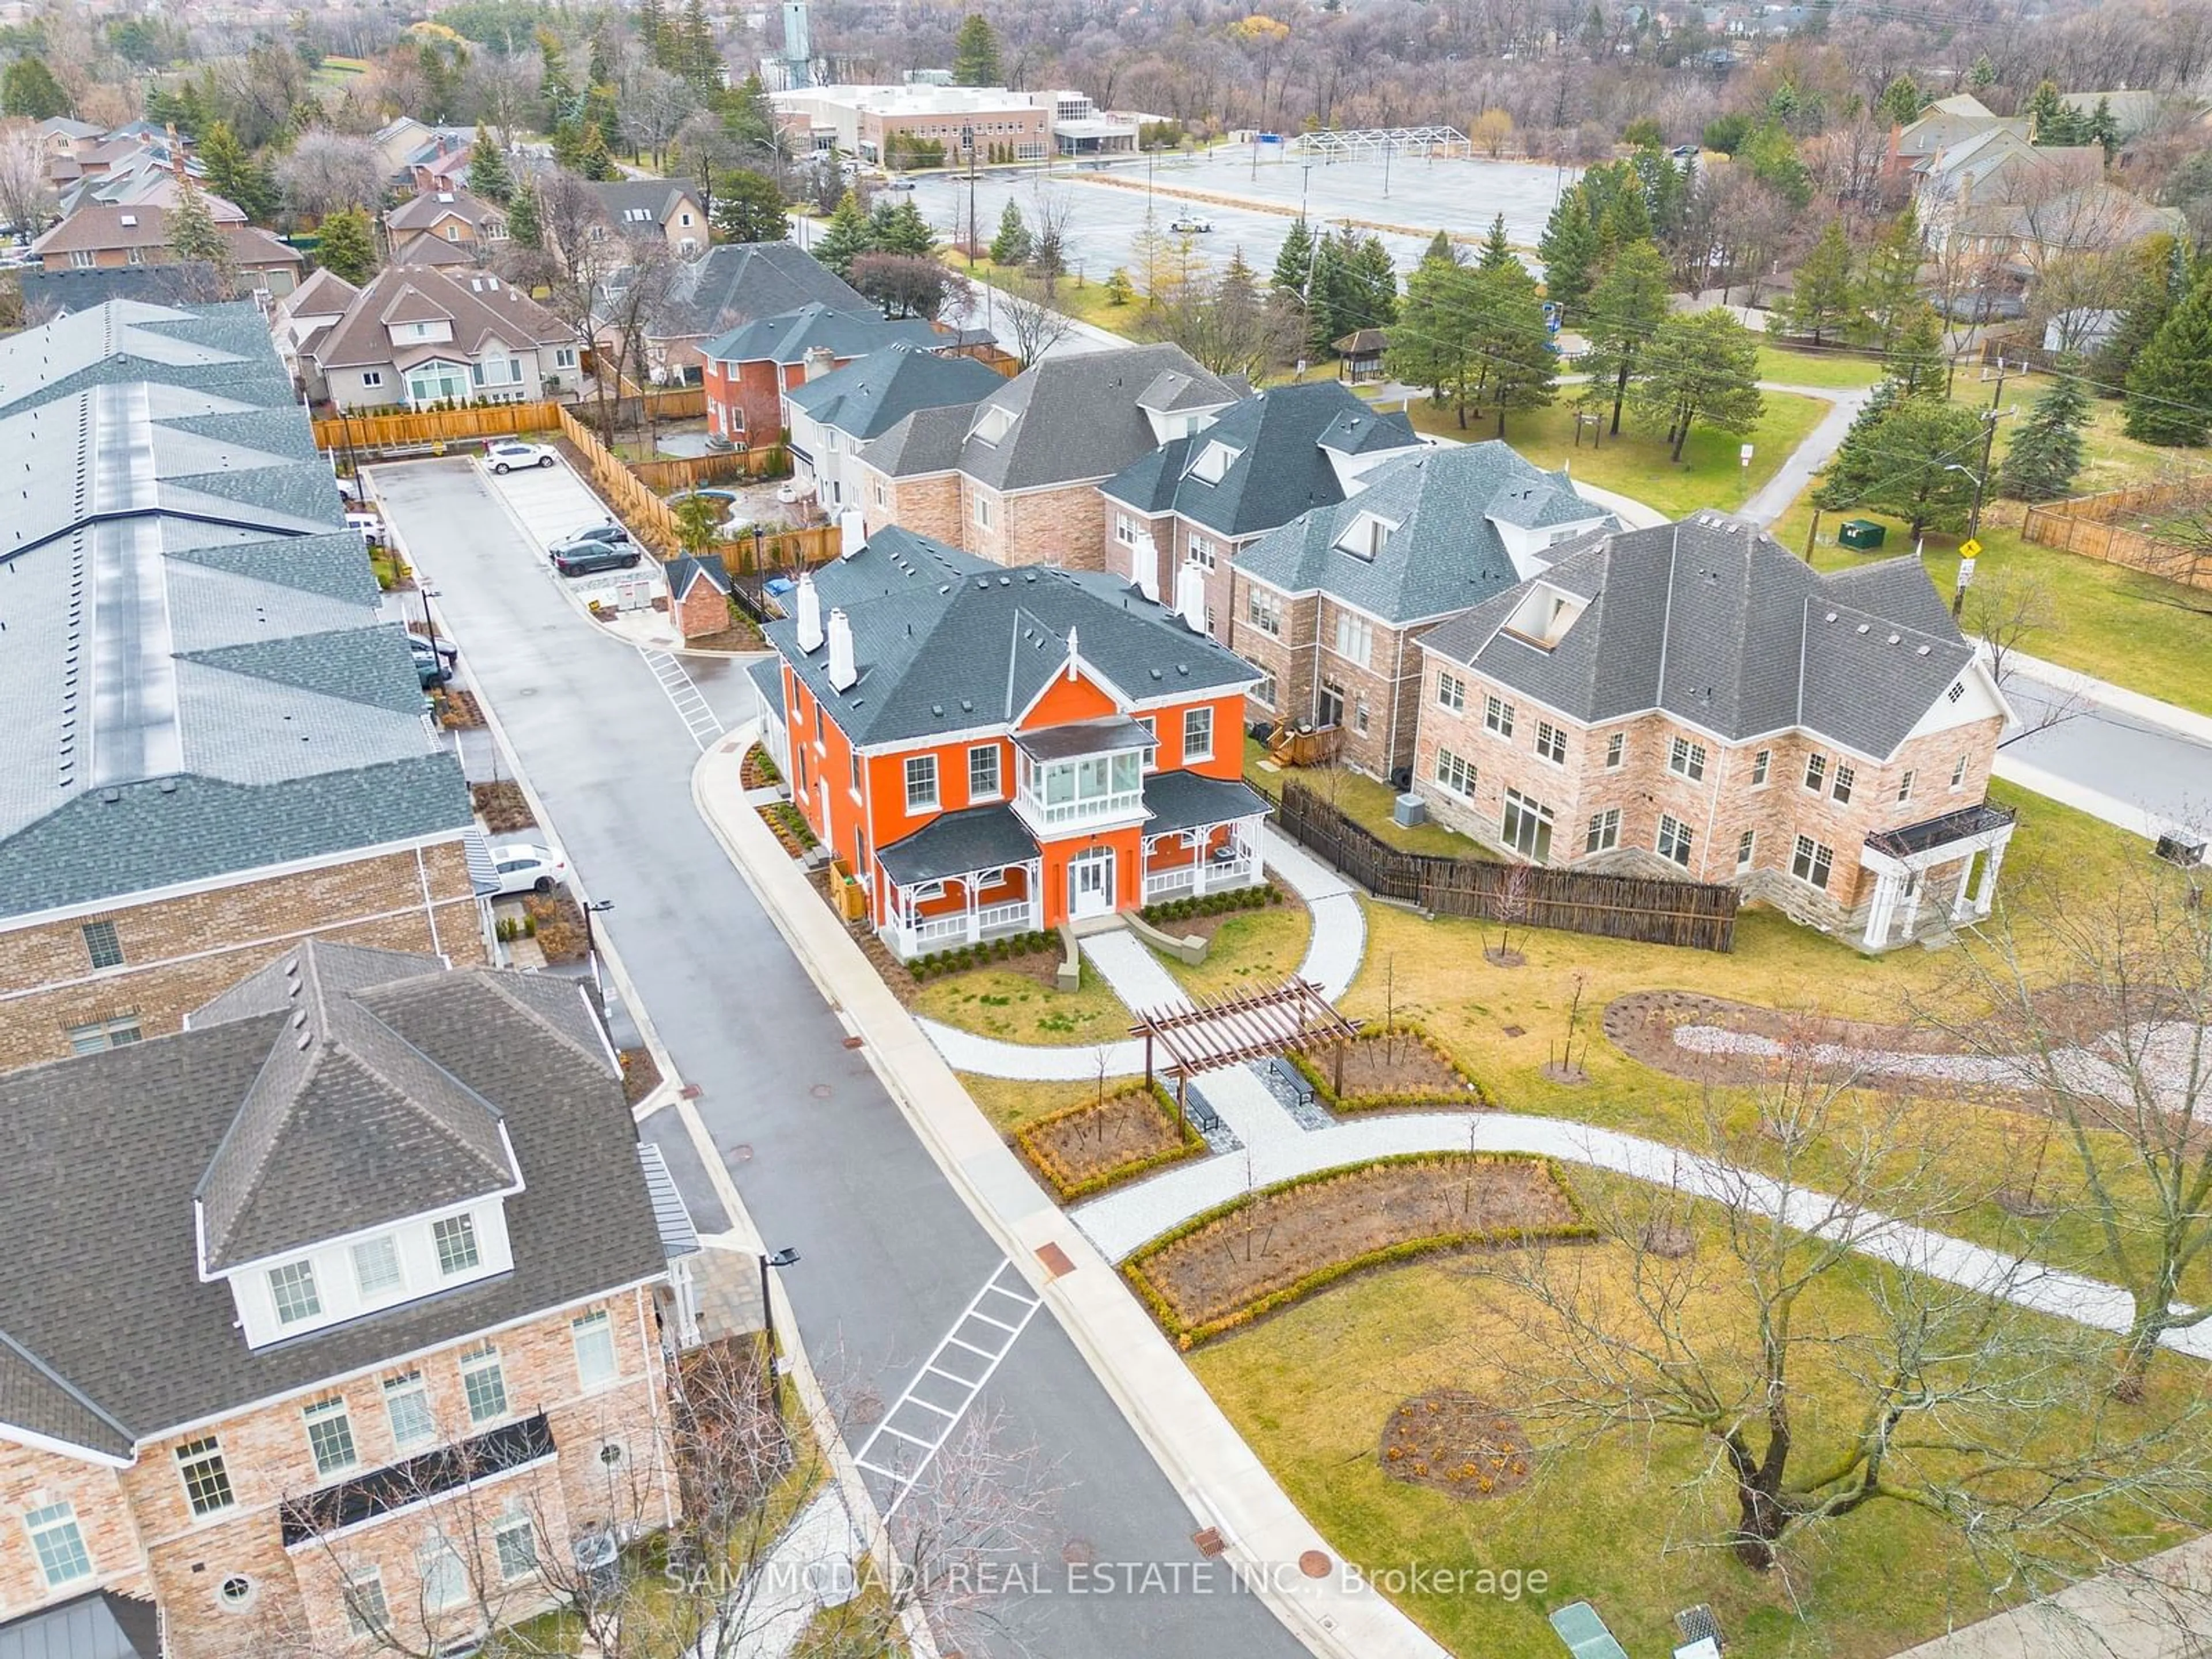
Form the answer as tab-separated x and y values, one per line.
1851	465
568	147
1820	301
901	229
2169	399
555	87
1569	249
1519	367
490	176
1294	264
522	227
1441	247
2161	276
1700	368
1897	460
652	30
1011	247
1914	360
1627	219
2104	127
976	54
593	161
1119	289
1665	189
347	246
1427	345
1901	102
29	90
1772	155
603	114
1378	279
749	208
846	237
1626	310
1984	73
1496	252
2046	452
699	61
191	231
1889	287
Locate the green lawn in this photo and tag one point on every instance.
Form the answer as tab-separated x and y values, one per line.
1250	950
1839	370
995	1002
1635	464
1085	301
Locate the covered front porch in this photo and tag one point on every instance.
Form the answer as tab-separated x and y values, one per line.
1905	862
1203	836
963	878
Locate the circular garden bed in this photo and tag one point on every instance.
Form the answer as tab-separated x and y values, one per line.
1463	1446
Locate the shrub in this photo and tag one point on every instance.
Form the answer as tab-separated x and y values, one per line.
1067	1184
1324	1088
1213	904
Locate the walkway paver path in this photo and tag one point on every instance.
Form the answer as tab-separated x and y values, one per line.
1120	1221
1771	499
1128	965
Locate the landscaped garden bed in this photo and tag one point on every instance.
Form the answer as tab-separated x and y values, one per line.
1390	1068
790	827
503	806
1463	1446
1253	1255
641	1076
458	710
556	924
1085	1149
758	770
1014	947
1178	915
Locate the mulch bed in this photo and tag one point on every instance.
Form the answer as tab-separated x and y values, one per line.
1401	1068
757	771
737	638
790	827
503	806
458	710
560	932
1206	927
1090	1147
1249	1257
641	1076
1463	1446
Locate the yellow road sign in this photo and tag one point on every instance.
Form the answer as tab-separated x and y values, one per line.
1969	550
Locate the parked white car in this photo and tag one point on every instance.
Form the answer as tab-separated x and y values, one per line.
511	453
1190	224
527	868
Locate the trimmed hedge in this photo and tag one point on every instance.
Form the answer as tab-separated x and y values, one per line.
1213	904
984	954
1324	1088
1188	1337
1064	1184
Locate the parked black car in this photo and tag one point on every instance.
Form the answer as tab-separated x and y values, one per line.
583	558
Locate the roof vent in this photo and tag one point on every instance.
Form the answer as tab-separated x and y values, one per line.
111	796
1865	626
168	785
1922	650
1831	616
1895	638
1005	581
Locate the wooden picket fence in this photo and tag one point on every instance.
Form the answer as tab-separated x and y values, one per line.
2089	525
1699	915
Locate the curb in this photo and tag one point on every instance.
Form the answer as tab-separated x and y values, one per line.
1108	1333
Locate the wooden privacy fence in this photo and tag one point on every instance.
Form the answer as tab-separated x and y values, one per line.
1700	915
2085	525
412	430
682	473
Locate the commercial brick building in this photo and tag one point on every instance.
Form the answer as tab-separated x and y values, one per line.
992	752
1330	606
1694	701
380	1325
214	749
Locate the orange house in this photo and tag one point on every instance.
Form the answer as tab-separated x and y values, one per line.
994	751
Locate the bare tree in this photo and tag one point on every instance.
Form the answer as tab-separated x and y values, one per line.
655	105
1050	210
327	171
502	89
1033	322
26	200
2005	610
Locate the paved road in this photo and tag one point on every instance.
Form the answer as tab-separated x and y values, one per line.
1773	498
2163	773
825	1160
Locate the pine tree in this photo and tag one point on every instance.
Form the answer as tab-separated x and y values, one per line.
1889	287
555	88
1914	360
2161	279
1626	308
232	174
1821	302
1772	155
592	160
1378	278
1011	247
1520	368
1119	290
2046	452
1984	73
1441	247
1294	264
2169	398
846	237
976	54
749	208
901	229
1900	467
192	235
1569	249
1496	252
652	31
1427	346
2105	128
698	60
29	90
1901	102
1700	368
347	246
490	176
522	226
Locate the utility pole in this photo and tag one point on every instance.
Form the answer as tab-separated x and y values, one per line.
1971	547
967	141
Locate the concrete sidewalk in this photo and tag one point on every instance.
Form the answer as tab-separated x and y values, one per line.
1270	1544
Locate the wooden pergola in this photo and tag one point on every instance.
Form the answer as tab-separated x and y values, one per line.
1243	1026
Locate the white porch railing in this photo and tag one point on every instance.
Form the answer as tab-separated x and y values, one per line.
945	933
1014	914
1206	875
1163	884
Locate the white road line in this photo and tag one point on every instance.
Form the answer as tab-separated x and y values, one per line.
904	1479
698	716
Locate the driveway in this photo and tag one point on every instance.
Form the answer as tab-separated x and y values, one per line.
825	1160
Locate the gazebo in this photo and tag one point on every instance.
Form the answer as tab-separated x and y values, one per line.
1361	352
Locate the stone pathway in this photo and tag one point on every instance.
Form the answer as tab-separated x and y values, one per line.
1133	973
1120	1221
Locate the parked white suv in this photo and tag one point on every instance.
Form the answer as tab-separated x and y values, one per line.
511	453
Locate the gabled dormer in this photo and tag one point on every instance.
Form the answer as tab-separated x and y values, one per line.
357	1175
413	319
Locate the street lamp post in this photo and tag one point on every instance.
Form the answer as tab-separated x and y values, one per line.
782	1258
1387	147
967	144
594	908
1973	528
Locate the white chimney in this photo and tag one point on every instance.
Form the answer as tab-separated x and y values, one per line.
1071	653
843	671
817	361
1190	595
810	615
1145	568
851	533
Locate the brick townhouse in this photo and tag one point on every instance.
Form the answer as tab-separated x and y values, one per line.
1694	700
746	371
1019	484
831	415
213	747
1330	607
379	1327
994	751
1203	499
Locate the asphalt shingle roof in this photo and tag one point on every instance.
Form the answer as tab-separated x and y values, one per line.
786	339
928	440
1185	801
946	642
955	844
740	281
158	1347
1281	468
869	395
1714	620
1082	417
1445	553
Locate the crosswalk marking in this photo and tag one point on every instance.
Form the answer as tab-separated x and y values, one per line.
698	716
904	1471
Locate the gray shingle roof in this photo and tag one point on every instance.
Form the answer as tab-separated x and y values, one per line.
928	441
1281	469
1185	801
786	338
158	1347
1715	622
684	572
739	281
946	642
869	395
1445	554
196	680
621	197
955	843
1082	417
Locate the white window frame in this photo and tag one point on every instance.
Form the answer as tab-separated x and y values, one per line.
1203	551
102	1035
1816	772
372	376
1958	773
1497	715
1355	638
1604	832
476	1367
58	1543
1264	693
594	1329
375	1285
202	1456
1125	529
366	1610
415	1393
1761	763
1263	610
920	773
1808	857
293	1293
516	1523
981	512
1616	751
1841	782
1905	785
1686	759
455	1239
323	1415
1675	841
1551	744
1198	733
1149	760
997	790
1451	692
1456	775
450	1587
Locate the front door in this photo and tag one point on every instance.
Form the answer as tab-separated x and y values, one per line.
1091	883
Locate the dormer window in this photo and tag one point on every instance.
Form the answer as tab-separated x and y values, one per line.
1544	616
992	424
1365	536
456	1238
292	1289
1213	462
376	1266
